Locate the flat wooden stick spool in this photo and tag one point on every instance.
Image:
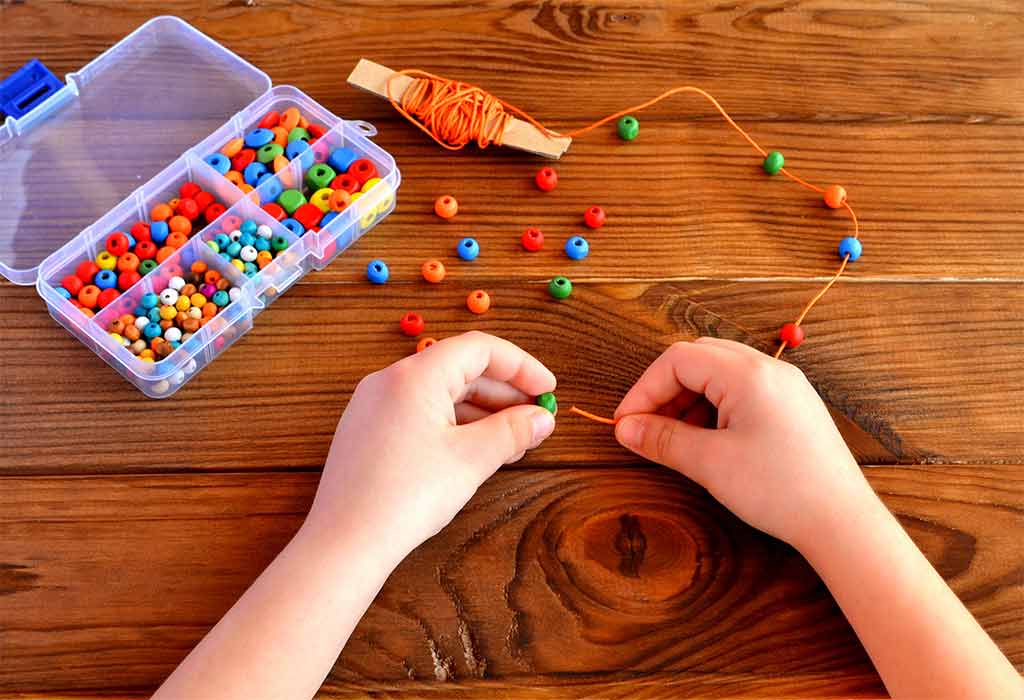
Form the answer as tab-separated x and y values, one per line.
374	77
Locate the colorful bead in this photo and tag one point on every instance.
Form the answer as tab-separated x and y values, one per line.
253	172
792	335
546	179
433	271
377	271
469	249
835	196
362	170
446	206
300	150
560	287
320	176
412	324
72	283
773	162
290	200
159	230
628	128
850	246
533	239
594	217
219	162
258	138
341	159
321	199
308	215
86	270
105	279
293	226
577	248
478	301
547	400
267	154
117	244
424	344
346	182
106	260
106	297
298	134
147	266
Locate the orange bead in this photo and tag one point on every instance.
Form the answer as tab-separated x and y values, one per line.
161	212
199	267
173	203
180	224
175	240
235	178
233	147
424	344
478	301
280	136
446	206
211	277
835	196
303	122
164	253
433	271
209	310
339	200
290	119
280	163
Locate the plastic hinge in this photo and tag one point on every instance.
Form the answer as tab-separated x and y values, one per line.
26	88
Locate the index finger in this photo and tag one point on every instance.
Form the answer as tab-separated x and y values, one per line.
703	368
463	358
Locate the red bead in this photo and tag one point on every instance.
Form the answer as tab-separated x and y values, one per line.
347	183
533	239
594	217
412	324
270	120
244	158
308	215
188	208
362	170
146	250
547	179
72	284
275	210
792	335
189	190
213	211
118	244
140	231
107	296
127	278
86	271
203	200
315	131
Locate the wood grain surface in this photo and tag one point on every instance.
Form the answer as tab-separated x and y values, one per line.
127	526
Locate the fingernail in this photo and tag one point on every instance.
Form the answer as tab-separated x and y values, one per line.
630	431
543	425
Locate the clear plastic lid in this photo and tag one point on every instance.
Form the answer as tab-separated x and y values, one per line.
117	123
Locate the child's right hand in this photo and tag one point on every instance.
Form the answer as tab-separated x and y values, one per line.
776	459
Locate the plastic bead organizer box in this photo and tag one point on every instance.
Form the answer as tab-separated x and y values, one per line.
133	130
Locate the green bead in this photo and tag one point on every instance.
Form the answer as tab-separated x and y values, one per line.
213	246
549	402
266	154
560	287
298	133
279	243
773	162
629	128
319	176
147	266
290	200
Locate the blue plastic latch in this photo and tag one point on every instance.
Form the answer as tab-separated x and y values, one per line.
26	88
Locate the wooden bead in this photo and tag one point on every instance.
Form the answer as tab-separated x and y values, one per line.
433	271
424	344
478	301
446	206
835	196
792	335
412	324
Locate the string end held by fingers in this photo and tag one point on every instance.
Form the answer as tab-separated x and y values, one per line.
593	417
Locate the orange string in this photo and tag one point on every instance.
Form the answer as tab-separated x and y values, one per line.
593	417
454	113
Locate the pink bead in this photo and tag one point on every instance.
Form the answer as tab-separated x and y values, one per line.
208	290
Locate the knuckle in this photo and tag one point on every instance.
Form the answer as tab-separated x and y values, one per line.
663	438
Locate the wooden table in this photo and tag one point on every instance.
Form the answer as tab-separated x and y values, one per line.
128	526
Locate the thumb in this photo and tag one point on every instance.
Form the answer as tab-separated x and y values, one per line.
504	435
683	447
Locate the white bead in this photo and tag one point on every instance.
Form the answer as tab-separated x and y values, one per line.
247	254
172	334
141	322
191	365
138	346
168	297
235	235
176	283
177	378
195	312
234	293
264	231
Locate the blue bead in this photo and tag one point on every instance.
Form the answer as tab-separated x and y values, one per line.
257	138
152	330
154	314
250	269
149	301
469	249
300	148
175	344
222	241
341	158
261	244
377	271
850	246
252	173
577	248
63	292
220	298
140	311
329	217
294	226
105	279
248	226
131	240
158	231
246	239
219	162
270	188
234	249
227	257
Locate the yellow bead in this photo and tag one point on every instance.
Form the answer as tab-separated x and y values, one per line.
168	312
321	199
197	299
117	337
355	196
239	264
147	358
183	303
106	261
368	185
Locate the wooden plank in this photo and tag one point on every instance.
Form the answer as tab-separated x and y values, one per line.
106	582
938	403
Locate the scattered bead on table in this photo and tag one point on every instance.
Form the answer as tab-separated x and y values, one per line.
412	324
628	127
446	206
478	301
577	248
433	271
468	249
546	179
377	271
560	287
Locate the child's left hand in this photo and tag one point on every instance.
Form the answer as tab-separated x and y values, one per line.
419	437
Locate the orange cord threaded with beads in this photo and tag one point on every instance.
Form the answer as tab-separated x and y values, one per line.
454	113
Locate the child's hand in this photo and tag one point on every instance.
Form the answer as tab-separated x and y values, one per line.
776	460
419	437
